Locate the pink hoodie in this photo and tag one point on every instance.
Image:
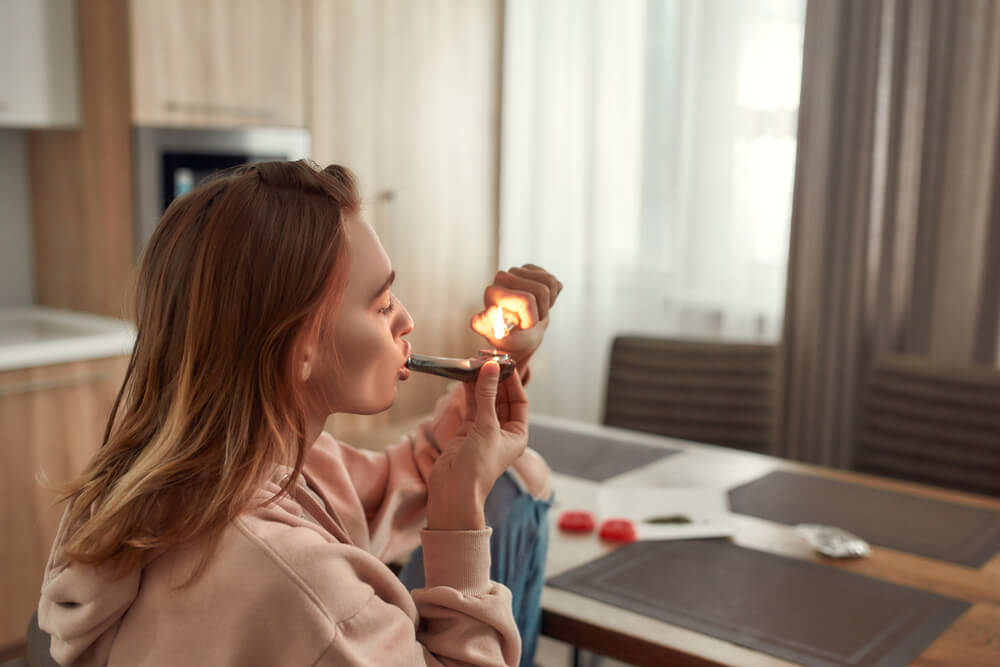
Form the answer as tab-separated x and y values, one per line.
301	581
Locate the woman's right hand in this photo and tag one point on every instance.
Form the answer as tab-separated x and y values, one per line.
493	435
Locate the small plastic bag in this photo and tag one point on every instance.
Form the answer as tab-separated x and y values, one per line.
833	542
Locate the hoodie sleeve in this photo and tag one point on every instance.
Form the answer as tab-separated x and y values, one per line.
462	618
349	609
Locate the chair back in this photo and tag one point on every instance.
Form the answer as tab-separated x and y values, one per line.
716	393
931	422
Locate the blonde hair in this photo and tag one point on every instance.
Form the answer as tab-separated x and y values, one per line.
238	272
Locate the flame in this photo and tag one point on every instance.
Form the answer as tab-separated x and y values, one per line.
499	326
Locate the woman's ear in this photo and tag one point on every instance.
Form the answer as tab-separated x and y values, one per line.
305	370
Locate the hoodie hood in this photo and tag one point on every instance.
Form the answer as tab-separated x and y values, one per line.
82	606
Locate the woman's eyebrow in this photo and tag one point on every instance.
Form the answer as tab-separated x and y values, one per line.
386	285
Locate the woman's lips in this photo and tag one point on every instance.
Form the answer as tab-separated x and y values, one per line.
404	372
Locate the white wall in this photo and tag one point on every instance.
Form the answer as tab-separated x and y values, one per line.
16	255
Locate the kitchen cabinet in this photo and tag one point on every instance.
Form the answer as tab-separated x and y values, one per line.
81	179
38	63
407	95
225	63
52	420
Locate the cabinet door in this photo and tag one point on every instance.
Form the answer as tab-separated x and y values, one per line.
38	63
52	421
218	63
407	95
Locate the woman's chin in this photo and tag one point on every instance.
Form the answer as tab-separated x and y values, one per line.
373	406
389	401
379	401
369	411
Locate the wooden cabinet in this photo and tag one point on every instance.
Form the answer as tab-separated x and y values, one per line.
407	94
52	420
81	179
223	63
38	63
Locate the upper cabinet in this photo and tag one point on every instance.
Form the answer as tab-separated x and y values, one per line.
38	63
226	63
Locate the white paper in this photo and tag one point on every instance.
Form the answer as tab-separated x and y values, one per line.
707	509
574	493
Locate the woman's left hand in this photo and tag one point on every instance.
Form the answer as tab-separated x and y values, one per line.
526	293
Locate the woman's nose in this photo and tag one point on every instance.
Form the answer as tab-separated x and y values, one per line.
405	321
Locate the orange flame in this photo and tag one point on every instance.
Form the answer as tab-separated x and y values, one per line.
499	326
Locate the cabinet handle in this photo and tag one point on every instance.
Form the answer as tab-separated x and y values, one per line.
57	382
173	106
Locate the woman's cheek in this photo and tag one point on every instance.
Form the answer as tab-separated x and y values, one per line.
380	379
371	364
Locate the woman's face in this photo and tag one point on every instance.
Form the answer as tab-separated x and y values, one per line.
361	357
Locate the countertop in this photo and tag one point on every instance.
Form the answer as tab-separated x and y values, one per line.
39	336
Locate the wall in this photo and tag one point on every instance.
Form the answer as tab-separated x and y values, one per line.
16	255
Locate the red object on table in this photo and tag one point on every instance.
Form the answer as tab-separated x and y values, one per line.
577	521
619	530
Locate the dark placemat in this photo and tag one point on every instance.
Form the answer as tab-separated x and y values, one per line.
797	610
591	457
914	524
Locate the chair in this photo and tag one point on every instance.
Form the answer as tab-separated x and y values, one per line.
931	422
717	393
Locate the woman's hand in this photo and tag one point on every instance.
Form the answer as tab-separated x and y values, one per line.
492	436
527	293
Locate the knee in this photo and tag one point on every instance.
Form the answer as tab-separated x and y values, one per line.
534	474
512	508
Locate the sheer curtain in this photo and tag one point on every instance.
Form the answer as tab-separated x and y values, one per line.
648	154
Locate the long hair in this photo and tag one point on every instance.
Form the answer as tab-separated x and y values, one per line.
238	273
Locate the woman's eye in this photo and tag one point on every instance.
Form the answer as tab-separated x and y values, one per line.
387	308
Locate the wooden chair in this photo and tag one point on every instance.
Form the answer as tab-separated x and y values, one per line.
717	393
931	422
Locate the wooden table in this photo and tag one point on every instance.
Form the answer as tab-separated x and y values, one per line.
974	639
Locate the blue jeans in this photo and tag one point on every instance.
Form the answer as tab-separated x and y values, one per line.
518	547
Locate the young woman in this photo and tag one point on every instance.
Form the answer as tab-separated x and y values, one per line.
219	525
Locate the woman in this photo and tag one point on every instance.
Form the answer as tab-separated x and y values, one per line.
219	525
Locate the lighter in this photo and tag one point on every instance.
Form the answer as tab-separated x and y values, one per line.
466	370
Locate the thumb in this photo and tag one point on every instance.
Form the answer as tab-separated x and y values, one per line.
486	394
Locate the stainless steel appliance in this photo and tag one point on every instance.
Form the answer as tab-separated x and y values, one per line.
170	161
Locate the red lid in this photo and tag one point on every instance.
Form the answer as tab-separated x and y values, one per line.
618	530
577	521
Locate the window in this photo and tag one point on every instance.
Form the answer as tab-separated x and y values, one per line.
648	157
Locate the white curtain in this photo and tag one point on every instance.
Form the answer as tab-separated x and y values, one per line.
648	152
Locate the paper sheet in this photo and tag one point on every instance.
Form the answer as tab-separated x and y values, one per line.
707	509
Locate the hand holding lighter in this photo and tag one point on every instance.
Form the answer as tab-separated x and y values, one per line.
465	370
